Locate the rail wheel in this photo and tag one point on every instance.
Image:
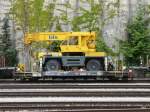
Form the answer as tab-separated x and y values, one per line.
93	65
53	65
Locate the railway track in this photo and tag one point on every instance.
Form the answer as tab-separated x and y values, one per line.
75	97
80	80
65	104
74	85
78	106
74	92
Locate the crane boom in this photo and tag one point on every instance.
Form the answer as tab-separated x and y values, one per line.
49	36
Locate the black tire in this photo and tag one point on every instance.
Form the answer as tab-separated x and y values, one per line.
93	65
53	65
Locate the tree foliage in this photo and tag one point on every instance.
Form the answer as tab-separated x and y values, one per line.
19	11
40	18
7	49
138	43
33	15
93	19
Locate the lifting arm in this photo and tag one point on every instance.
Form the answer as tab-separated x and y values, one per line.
50	36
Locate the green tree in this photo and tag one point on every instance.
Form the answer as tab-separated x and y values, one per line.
32	15
58	25
37	14
51	17
20	11
7	48
43	17
93	20
138	43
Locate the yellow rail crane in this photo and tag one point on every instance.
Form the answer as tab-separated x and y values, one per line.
75	50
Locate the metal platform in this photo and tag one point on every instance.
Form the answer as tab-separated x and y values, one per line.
26	75
71	74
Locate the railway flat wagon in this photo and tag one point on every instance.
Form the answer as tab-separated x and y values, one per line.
70	54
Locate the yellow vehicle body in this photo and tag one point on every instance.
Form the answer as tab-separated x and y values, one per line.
82	46
77	49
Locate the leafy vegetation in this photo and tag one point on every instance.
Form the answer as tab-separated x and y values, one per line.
33	15
137	46
7	48
93	19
